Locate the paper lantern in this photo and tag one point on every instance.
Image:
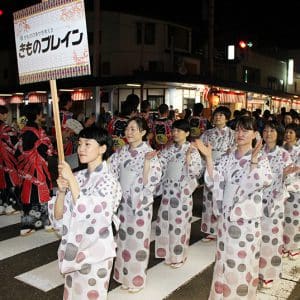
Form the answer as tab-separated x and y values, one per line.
16	99
214	99
2	101
35	97
81	95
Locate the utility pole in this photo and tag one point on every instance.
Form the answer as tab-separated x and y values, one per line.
211	22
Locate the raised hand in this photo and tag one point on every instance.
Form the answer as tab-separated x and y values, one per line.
205	150
292	168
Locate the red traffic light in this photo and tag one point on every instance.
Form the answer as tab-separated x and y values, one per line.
242	44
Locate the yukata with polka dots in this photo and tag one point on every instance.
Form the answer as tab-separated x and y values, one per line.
237	202
135	213
179	180
270	266
221	140
291	231
87	248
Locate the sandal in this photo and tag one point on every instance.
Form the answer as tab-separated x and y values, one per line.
26	232
293	255
267	284
134	290
285	253
177	265
209	238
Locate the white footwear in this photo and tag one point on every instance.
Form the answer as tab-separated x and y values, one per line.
209	238
9	210
294	254
49	228
2	210
134	290
285	253
178	265
26	232
267	284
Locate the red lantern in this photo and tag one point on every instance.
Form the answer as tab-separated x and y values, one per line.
214	99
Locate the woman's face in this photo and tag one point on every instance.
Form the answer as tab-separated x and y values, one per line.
219	119
88	150
270	135
244	137
133	133
288	119
290	136
179	135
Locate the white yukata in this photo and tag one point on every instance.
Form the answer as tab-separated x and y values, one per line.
237	201
270	267
135	213
221	140
179	180
291	231
87	248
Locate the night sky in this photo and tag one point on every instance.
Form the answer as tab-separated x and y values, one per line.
275	25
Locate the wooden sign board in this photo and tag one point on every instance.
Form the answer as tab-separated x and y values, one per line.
51	41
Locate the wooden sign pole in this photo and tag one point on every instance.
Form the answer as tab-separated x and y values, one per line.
59	142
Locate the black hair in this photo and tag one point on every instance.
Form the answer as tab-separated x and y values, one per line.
134	100
187	113
145	105
142	125
294	127
182	124
101	136
64	98
3	110
246	122
197	109
163	108
224	110
127	108
279	129
31	111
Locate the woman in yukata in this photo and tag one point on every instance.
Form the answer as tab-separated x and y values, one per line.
274	196
237	184
221	138
137	167
82	211
181	165
291	231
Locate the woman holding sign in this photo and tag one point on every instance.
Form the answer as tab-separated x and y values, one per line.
82	211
